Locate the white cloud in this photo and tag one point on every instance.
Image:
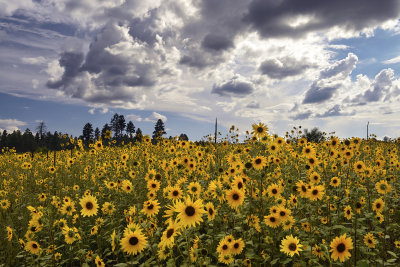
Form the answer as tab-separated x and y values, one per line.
34	60
156	116
133	117
35	83
392	60
11	124
91	111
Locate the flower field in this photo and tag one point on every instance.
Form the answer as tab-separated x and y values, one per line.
268	201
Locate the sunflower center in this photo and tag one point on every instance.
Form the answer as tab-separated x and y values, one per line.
153	185
89	205
194	189
235	196
224	247
358	205
260	129
292	247
247	165
311	161
282	213
210	211
378	205
175	193
274	191
258	161
133	240
315	192
369	241
150	207
307	150
334	181
303	188
170	232
190	211
240	185
272	219
34	245
341	247
236	245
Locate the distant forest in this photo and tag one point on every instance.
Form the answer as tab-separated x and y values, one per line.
42	140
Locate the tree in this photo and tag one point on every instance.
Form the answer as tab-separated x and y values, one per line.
118	125
158	129
87	133
139	135
315	135
121	125
41	129
106	128
183	137
96	133
130	129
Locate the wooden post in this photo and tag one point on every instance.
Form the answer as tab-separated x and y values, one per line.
367	130
215	140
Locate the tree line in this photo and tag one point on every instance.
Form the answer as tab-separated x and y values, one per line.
117	129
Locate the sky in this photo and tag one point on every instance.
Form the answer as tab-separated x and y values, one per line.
327	64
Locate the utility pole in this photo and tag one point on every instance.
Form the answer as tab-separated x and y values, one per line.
215	140
367	130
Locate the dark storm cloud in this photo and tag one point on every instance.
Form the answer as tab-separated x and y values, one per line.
233	88
319	94
71	62
336	110
216	42
283	67
270	18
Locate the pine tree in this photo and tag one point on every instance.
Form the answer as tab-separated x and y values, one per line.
158	130
106	128
130	129
97	133
139	135
87	133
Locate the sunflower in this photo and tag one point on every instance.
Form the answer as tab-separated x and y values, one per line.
308	150
259	130
283	213
274	190
153	185
210	211
168	237
237	246
32	247
378	205
317	251
190	212
175	193
99	262
369	240
5	204
151	208
108	208
347	212
359	166
194	189
315	178
312	161
335	181
89	206
98	145
316	192
9	233
224	247
288	223
68	208
70	234
340	247
291	245
238	183
259	162
234	197
272	220
133	242
383	187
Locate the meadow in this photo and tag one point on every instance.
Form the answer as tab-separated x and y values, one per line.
270	201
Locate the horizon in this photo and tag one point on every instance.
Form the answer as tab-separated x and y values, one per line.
315	64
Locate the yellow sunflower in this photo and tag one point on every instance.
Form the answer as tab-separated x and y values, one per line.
89	206
259	130
383	187
272	220
133	242
316	192
211	212
151	208
369	240
234	197
340	247
291	245
378	205
32	247
189	212
259	162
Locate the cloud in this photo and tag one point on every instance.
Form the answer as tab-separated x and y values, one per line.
253	104
34	60
216	42
301	116
330	80
234	87
381	88
133	117
154	117
336	110
292	18
394	60
11	124
279	68
71	62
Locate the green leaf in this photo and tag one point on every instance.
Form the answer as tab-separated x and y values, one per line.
363	263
